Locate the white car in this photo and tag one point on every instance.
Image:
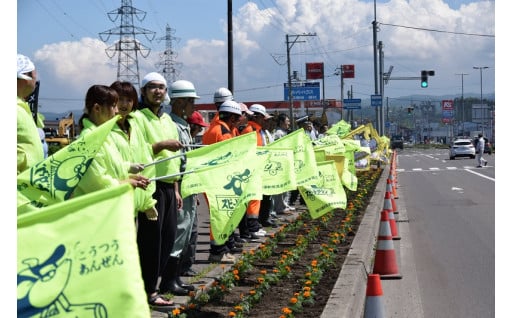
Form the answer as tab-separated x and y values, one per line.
462	148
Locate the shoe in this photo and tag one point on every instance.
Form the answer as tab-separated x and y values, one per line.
238	244
223	258
242	240
269	223
251	237
485	163
160	303
189	273
289	208
479	166
236	250
259	234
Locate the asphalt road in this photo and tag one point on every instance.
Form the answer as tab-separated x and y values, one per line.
446	221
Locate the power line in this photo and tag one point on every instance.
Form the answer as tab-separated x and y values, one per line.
439	31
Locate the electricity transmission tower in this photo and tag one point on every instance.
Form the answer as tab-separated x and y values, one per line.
168	57
127	47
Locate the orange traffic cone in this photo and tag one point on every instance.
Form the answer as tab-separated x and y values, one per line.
385	256
392	180
389	203
373	306
392	226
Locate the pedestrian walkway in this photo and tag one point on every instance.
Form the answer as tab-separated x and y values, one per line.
208	272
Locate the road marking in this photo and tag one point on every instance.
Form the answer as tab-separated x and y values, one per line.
417	169
434	168
480	175
451	168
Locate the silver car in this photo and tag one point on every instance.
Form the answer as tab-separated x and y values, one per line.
462	148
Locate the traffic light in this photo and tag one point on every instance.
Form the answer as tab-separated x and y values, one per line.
424	79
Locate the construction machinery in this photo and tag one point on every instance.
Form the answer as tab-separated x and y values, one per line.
63	136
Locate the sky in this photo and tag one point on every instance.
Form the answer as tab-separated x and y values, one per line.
449	37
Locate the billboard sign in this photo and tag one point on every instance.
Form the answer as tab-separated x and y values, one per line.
348	71
447	111
303	91
314	70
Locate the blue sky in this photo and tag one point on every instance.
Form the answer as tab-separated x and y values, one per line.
62	38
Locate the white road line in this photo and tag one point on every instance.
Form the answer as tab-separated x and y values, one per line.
480	175
417	169
434	168
451	168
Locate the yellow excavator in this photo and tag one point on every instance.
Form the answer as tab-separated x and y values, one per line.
64	135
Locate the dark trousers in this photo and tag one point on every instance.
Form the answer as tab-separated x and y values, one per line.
266	206
155	239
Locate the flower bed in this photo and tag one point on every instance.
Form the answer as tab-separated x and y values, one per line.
293	272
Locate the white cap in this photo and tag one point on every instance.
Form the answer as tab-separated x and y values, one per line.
244	108
153	76
25	65
260	109
230	106
221	95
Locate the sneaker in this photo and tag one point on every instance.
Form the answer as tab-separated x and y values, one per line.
251	237
239	244
259	234
485	163
242	240
289	208
223	258
479	166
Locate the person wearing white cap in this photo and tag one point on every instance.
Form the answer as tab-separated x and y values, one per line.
156	239
182	99
228	119
220	96
251	228
29	147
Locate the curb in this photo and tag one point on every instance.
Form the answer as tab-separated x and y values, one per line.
349	292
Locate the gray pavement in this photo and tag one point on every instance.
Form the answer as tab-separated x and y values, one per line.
348	295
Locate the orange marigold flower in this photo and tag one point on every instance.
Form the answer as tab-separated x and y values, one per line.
308	274
252	292
191	306
286	311
307	294
288	268
237	277
306	288
263	271
176	311
232	314
296	294
308	282
293	300
238	308
275	270
261	280
314	262
235	272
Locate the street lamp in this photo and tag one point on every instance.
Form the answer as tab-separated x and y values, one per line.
463	114
481	98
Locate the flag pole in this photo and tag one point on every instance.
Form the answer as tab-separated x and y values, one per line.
162	160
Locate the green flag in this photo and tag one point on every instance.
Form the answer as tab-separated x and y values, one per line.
54	179
79	258
340	129
327	193
306	170
278	173
228	198
227	151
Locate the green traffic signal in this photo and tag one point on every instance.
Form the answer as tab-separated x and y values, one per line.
424	79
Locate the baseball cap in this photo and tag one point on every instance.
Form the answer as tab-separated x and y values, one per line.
260	109
197	119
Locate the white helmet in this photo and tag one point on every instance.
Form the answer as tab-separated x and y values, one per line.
260	109
221	95
183	88
230	106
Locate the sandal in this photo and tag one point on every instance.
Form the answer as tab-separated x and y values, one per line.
159	302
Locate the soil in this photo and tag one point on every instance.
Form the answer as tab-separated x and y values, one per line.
278	295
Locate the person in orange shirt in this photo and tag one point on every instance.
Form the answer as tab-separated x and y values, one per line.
222	129
251	229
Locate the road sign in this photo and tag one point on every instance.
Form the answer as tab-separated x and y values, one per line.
348	71
354	103
303	91
376	100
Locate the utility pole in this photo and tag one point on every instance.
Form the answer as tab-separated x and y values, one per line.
481	95
462	100
127	46
231	84
374	23
168	62
340	73
289	45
